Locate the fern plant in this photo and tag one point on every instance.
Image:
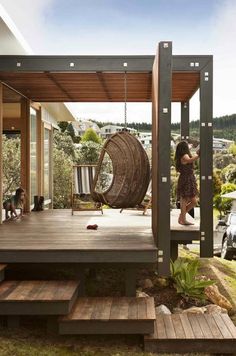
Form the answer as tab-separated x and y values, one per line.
184	274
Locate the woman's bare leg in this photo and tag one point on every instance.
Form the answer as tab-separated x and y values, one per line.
192	204
182	216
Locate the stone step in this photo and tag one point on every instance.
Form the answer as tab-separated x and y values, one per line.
2	272
189	333
37	297
124	315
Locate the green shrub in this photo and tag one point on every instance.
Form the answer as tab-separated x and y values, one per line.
90	135
184	274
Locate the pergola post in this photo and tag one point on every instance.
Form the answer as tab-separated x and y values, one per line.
162	92
184	123
206	165
1	129
25	150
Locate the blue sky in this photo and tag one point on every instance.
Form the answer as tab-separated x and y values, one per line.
135	27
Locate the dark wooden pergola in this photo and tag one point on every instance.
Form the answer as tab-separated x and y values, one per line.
159	79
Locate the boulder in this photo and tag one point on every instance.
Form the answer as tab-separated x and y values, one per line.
162	309
141	294
177	311
147	283
213	294
215	309
195	310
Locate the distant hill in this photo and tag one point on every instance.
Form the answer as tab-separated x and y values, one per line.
224	126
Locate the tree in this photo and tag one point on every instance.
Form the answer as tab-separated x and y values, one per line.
71	131
63	125
89	152
232	149
62	165
11	156
217	182
64	142
224	204
90	135
229	173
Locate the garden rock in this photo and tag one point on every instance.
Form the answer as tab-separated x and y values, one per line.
177	310
141	294
215	309
163	282
195	310
213	294
147	284
162	309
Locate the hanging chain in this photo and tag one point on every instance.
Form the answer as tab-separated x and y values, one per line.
125	101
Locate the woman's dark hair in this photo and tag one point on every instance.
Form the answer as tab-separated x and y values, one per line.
181	150
19	191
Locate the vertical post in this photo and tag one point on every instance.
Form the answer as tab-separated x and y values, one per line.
1	129
25	150
51	167
40	152
206	166
162	72
184	124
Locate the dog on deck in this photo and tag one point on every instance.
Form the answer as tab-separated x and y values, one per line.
13	203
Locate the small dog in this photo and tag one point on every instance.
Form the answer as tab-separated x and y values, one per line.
13	203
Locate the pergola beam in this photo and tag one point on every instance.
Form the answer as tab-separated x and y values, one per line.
9	63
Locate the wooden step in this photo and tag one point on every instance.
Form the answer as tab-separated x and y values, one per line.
2	272
37	297
110	316
183	333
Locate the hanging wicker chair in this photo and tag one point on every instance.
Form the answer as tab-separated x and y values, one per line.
131	172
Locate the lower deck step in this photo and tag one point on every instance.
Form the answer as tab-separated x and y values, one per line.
183	333
110	316
37	297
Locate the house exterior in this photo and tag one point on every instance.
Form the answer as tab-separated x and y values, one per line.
108	130
80	126
221	144
33	121
146	139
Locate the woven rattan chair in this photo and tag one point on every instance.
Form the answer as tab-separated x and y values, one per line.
131	172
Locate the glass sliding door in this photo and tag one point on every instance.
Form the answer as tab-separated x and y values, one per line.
47	163
33	155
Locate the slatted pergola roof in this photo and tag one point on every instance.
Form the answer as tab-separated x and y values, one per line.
91	78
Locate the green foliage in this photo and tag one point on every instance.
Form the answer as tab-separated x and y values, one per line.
65	143
64	154
220	160
62	165
229	173
11	156
71	131
89	153
63	125
226	203
90	135
232	149
184	274
217	182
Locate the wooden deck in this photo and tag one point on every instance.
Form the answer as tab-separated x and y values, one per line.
55	236
37	297
182	333
110	316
